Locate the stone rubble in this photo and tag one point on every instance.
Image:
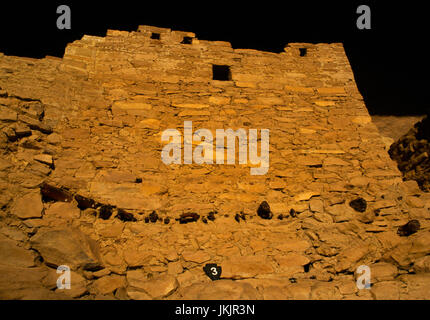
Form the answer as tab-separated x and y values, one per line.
411	152
82	183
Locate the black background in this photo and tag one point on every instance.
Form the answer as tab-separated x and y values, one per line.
264	310
390	61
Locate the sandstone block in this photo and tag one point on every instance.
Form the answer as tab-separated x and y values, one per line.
44	158
109	284
383	271
153	124
295	245
190	105
67	246
324	103
156	288
13	255
112	230
220	100
331	91
305	195
189	113
245	267
28	206
196	256
299	89
316	205
63	210
362	120
220	290
7	114
386	290
292	262
22	283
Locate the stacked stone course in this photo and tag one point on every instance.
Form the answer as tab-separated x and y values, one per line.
89	126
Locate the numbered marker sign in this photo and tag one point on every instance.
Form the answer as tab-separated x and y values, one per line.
213	271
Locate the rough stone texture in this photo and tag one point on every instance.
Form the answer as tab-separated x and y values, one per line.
62	211
28	206
67	246
411	152
155	288
218	290
109	284
245	267
15	256
82	182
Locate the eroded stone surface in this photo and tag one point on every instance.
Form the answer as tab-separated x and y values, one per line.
67	246
82	182
28	206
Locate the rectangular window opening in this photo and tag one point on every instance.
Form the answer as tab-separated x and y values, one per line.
187	40
303	51
155	36
221	73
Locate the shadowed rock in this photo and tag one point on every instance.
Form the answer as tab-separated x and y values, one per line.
153	217
125	216
188	217
211	215
35	124
358	204
411	152
264	210
409	228
52	193
293	213
85	203
242	216
105	212
237	217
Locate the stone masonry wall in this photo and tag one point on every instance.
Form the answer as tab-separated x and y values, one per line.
90	124
320	131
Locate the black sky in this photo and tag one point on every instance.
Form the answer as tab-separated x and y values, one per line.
390	61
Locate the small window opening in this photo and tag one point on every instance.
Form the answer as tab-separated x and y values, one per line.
303	51
221	73
187	40
155	36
